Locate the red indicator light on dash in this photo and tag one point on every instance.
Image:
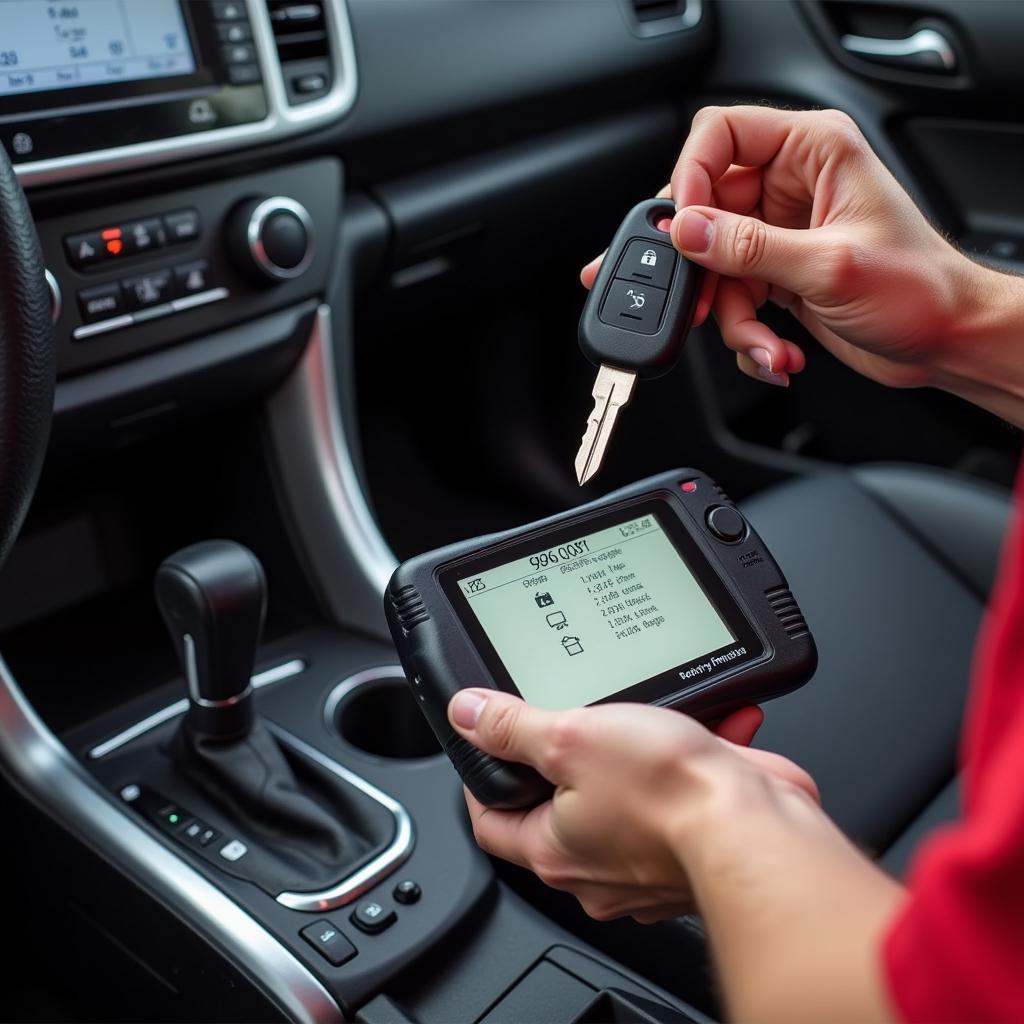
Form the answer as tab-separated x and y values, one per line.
112	240
688	486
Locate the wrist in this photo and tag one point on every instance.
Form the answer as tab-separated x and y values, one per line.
979	354
730	804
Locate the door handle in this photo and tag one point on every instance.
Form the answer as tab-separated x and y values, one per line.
927	49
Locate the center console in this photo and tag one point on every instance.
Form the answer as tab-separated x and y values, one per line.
251	827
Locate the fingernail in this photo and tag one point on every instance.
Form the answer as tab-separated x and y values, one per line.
780	380
762	357
467	707
694	232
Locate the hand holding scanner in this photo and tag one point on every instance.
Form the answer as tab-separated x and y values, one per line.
660	593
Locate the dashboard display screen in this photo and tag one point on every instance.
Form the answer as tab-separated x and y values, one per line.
46	44
593	615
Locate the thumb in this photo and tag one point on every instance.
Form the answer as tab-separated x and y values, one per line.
743	246
505	726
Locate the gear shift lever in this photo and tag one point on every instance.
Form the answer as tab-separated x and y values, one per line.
304	825
213	597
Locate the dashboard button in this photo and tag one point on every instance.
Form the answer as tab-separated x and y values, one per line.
329	942
190	278
182	226
234	32
371	917
85	249
243	74
228	10
142	236
407	892
240	53
147	289
100	303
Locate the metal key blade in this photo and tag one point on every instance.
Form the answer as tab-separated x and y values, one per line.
612	391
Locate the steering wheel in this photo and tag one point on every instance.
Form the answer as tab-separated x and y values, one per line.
26	357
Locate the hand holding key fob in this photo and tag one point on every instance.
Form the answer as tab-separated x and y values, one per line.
635	320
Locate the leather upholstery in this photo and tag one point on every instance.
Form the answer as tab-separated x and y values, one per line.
26	357
890	565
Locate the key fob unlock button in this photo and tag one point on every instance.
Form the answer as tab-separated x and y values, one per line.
633	306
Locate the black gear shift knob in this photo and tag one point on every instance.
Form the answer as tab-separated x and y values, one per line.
213	597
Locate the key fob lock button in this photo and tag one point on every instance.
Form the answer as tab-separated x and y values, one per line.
647	262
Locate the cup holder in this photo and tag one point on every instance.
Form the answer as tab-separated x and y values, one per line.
376	712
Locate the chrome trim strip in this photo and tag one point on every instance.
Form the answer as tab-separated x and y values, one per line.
56	299
198	299
258	251
370	874
115	323
41	768
345	552
179	707
282	120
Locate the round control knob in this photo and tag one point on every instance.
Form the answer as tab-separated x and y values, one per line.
726	523
271	239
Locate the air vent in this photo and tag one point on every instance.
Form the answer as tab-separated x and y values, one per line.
303	47
409	608
655	17
783	603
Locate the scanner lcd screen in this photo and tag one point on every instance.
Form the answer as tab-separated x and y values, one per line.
586	618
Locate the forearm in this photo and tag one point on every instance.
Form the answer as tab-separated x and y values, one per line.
982	358
794	912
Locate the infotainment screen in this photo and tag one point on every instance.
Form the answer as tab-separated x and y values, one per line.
580	620
47	44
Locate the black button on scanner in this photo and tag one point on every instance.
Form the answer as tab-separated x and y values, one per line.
632	306
726	523
371	917
647	263
329	942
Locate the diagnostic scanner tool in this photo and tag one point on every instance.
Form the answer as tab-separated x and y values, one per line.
660	593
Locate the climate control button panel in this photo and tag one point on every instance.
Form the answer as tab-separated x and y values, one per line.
155	272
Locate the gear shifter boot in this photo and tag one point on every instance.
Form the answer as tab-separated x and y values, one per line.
305	827
309	828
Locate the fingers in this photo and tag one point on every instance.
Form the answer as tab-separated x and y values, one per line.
510	835
720	137
509	728
740	245
588	275
761	352
740	726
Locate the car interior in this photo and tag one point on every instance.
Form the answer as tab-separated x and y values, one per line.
307	279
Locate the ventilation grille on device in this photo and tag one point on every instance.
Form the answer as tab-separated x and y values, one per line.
652	17
784	605
409	607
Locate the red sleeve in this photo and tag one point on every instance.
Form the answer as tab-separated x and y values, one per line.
956	951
